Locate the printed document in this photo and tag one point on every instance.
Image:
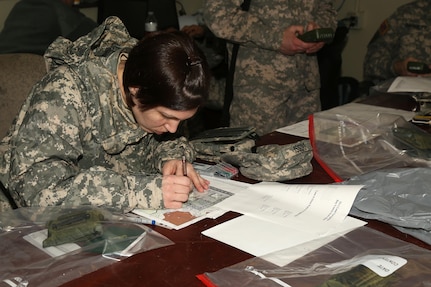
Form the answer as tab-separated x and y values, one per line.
319	205
278	216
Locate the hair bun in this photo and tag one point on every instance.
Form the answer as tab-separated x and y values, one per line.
193	61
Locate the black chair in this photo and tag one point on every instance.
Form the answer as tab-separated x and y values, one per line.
348	90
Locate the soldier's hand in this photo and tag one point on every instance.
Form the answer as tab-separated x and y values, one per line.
313	47
175	190
175	167
173	175
292	45
400	67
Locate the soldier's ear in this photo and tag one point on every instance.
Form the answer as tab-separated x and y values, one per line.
133	91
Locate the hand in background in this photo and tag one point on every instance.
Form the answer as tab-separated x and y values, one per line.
292	45
400	68
194	31
314	46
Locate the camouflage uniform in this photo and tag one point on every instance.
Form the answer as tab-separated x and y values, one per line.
75	142
271	90
406	33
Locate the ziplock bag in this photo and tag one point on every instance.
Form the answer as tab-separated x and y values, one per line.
361	258
49	246
345	146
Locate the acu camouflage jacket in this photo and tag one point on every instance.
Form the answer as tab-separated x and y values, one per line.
75	142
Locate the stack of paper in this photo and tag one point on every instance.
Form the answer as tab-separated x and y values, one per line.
278	216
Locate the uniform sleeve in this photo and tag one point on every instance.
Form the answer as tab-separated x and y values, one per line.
49	145
325	15
227	21
383	49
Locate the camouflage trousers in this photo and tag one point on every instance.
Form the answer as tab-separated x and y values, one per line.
4	203
268	109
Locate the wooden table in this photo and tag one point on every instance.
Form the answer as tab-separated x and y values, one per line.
193	253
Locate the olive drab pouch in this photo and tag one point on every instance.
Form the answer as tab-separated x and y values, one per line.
73	227
51	245
211	144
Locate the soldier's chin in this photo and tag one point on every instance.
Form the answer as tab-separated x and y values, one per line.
151	131
158	132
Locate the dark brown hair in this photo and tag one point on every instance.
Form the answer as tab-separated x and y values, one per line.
169	70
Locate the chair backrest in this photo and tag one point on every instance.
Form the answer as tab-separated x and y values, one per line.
134	12
18	73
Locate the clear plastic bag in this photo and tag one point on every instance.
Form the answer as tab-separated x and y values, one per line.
80	240
361	258
346	147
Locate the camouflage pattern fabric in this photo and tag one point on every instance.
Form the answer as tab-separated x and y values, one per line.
406	33
75	142
274	162
4	203
212	151
271	90
211	144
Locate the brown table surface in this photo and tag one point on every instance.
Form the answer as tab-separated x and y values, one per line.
194	253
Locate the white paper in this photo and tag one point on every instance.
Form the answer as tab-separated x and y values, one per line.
299	129
261	237
279	216
320	206
410	84
36	239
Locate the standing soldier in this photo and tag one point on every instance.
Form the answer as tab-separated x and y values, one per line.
276	79
403	37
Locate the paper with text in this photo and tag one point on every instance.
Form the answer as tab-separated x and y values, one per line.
279	216
320	206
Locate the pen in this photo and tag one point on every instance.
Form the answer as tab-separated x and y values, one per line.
184	165
141	220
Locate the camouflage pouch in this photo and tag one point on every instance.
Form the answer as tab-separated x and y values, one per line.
76	226
274	162
211	144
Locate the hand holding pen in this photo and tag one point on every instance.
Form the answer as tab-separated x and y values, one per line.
184	162
179	179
